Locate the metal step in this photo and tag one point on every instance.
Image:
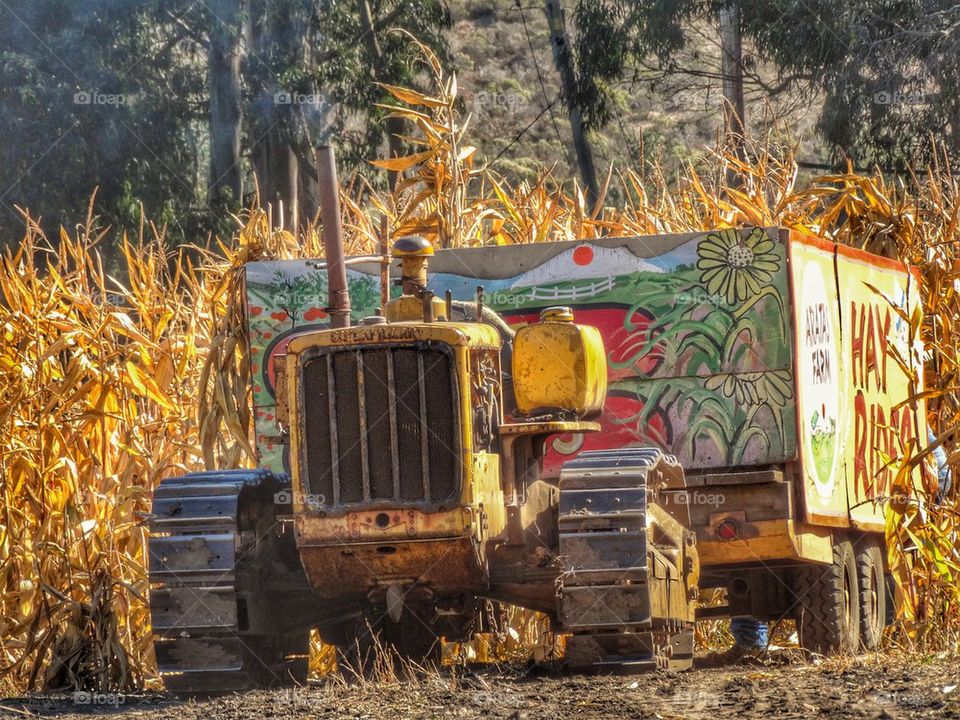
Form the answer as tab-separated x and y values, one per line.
179	555
628	522
606	607
210	489
604	550
202	665
602	501
185	653
174	512
207	682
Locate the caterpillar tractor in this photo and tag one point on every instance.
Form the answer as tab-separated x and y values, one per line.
415	491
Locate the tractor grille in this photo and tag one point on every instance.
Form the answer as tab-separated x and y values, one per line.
381	426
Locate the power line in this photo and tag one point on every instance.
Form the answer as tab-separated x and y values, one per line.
626	141
523	132
543	87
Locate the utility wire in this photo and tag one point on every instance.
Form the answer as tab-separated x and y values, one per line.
626	141
524	131
543	87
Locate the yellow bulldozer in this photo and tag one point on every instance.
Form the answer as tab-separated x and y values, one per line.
415	441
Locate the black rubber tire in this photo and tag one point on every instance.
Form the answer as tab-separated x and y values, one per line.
828	619
872	593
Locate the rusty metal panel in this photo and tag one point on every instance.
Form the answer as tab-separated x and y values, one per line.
447	565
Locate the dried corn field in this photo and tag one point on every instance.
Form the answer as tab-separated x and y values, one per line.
109	384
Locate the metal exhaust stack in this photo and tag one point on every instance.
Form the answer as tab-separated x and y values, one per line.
339	298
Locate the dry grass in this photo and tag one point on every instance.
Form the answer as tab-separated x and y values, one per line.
99	380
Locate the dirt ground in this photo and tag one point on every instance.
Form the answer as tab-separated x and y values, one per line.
875	686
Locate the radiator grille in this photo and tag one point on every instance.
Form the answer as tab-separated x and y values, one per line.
394	438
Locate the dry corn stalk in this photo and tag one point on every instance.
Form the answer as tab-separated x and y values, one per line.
96	380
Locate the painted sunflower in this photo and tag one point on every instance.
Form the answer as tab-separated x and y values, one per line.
768	387
736	267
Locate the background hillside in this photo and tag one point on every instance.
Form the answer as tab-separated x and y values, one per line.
502	52
187	112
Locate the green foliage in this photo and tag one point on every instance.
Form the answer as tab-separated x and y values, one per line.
114	94
888	72
352	68
98	93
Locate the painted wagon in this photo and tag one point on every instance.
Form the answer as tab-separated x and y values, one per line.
780	369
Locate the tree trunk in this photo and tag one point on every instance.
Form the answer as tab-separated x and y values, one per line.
394	125
564	63
223	70
309	204
734	110
274	159
278	169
